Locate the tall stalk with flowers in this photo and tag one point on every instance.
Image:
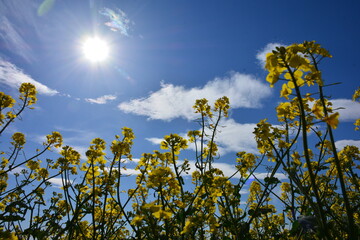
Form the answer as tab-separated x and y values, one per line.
297	66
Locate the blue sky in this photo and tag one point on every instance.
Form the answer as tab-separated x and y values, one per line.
163	56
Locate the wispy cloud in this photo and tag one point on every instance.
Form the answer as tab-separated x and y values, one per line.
13	40
261	55
13	77
13	37
349	110
170	102
101	100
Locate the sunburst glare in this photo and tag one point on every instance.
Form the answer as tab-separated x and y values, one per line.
95	49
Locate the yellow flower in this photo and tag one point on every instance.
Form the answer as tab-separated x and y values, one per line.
2	206
6	101
285	91
295	61
318	110
19	139
152	207
8	235
285	187
357	124
10	115
137	220
333	120
202	106
272	78
43	172
193	134
356	95
28	93
55	138
223	105
296	158
174	142
283	109
188	225
246	162
162	214
33	165
271	61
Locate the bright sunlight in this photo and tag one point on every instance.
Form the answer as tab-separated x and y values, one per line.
95	49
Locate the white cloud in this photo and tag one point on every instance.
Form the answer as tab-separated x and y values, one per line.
130	171
170	102
101	100
243	191
261	55
57	182
261	176
343	143
12	76
236	137
17	170
155	141
350	111
227	169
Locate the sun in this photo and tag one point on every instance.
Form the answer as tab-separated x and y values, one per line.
95	49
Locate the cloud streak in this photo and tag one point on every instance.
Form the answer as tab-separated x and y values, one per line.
170	101
13	77
101	100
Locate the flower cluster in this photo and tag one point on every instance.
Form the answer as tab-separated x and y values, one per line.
176	198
